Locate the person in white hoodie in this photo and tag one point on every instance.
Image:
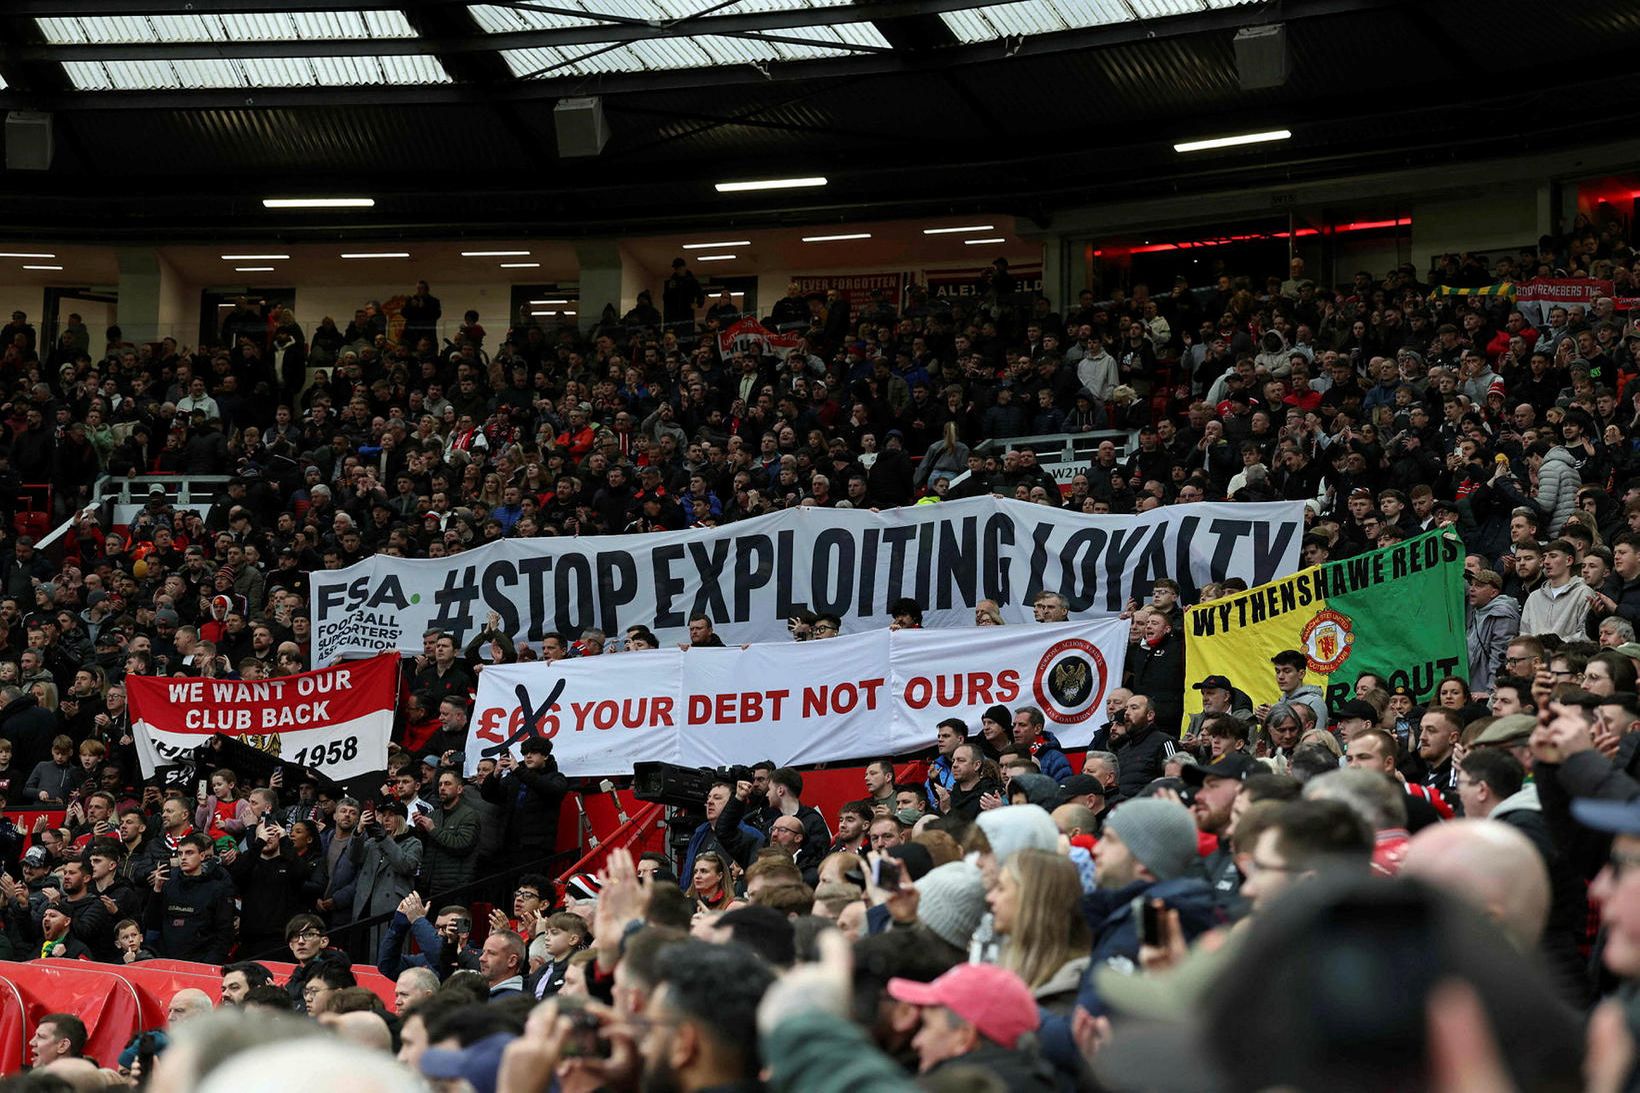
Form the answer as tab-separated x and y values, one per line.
1561	604
1097	370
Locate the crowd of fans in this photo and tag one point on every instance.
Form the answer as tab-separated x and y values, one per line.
1381	893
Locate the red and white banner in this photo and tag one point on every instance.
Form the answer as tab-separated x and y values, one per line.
853	697
1534	298
1562	290
337	720
750	336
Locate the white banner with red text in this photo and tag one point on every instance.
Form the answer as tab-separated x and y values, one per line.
751	576
335	720
858	697
1536	297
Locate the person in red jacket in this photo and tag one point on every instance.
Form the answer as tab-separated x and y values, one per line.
1515	326
579	437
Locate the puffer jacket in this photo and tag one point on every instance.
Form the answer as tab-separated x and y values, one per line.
1491	629
1115	925
1558	482
1140	757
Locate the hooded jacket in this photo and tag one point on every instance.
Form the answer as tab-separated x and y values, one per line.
1039	789
1491	629
1098	374
194	915
1277	362
1310	696
1558	482
1561	611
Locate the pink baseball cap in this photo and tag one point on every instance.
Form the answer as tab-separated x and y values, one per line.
994	1000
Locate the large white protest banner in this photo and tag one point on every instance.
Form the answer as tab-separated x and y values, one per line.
877	693
336	720
751	576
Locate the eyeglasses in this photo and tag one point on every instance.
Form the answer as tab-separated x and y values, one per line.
1516	660
307	935
825	628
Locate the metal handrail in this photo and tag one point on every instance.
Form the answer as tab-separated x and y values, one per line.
119	490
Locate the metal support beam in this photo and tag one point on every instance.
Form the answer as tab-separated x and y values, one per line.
69	8
899	62
624	30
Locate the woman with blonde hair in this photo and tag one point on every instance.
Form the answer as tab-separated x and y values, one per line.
1036	907
45	693
947	454
712	885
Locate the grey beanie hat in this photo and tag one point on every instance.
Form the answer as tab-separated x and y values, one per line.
1039	789
950	901
1018	827
1160	834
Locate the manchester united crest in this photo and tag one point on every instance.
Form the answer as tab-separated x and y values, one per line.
1327	639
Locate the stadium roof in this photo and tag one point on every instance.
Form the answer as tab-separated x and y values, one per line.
174	117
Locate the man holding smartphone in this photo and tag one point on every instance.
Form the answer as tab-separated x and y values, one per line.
193	904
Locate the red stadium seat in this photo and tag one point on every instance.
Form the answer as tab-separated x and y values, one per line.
96	994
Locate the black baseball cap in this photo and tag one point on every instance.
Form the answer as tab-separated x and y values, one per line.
1079	784
1221	683
1237	765
1356	707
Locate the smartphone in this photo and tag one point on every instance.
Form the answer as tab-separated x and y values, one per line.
1150	922
885	874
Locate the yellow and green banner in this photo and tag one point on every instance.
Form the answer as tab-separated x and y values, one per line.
1501	288
1397	613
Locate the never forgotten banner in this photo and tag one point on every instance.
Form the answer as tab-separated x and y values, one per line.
1397	612
751	576
336	720
876	693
